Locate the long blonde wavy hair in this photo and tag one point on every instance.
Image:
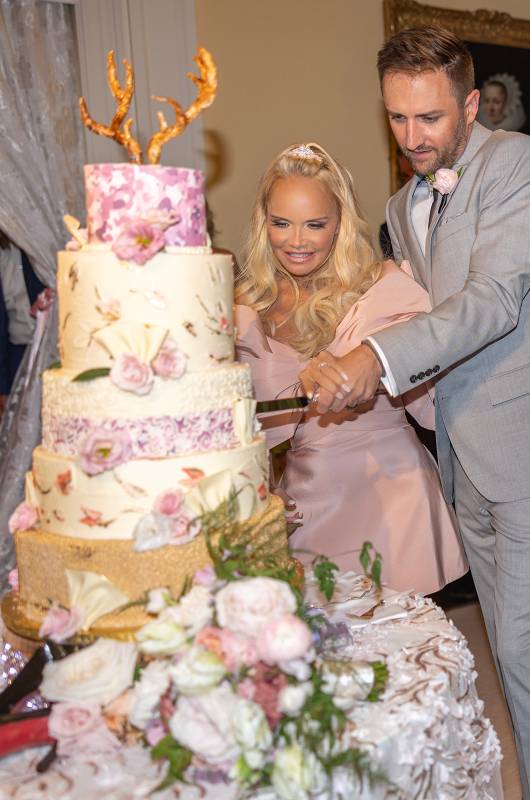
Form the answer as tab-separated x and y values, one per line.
349	271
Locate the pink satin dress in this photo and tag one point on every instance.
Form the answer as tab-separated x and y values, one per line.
361	474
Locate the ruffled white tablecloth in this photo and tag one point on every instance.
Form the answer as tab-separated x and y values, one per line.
428	733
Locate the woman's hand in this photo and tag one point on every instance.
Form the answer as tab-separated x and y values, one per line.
336	382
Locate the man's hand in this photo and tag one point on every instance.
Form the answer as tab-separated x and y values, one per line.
339	382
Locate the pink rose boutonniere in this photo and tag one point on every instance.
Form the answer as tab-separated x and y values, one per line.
444	181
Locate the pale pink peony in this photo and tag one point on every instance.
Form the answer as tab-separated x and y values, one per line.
80	727
61	623
131	374
12	579
445	180
246	606
23	517
284	638
139	242
105	449
170	362
169	503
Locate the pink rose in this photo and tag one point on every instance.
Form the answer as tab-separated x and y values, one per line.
12	579
170	362
131	374
23	517
238	651
445	180
139	242
60	624
80	728
105	449
184	527
169	503
284	638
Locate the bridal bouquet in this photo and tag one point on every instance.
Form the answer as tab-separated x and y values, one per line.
226	683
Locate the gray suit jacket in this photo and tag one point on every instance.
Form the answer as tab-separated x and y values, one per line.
476	340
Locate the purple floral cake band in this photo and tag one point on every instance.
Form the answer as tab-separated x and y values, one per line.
151	437
119	197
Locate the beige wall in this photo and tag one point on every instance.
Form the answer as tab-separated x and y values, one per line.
298	70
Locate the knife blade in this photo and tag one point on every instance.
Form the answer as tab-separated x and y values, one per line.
281	404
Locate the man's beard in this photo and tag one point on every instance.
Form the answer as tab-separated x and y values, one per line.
446	157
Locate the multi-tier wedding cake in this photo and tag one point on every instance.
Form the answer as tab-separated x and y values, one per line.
147	424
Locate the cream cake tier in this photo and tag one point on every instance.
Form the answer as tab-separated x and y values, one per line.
201	411
112	504
108	306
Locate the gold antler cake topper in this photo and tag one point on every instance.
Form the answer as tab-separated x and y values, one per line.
206	82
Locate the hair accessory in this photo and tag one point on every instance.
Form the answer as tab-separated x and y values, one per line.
303	151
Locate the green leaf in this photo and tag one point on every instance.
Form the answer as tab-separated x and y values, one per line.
55	365
380	680
91	374
179	759
364	557
323	570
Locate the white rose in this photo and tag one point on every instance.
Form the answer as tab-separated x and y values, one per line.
95	674
194	609
297	773
292	698
252	732
197	671
161	637
204	725
245	606
154	680
347	681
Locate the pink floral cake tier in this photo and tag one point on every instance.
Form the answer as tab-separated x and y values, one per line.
147	422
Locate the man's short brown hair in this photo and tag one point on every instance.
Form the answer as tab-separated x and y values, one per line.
420	49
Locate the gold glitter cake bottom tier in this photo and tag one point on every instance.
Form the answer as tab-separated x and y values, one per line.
42	559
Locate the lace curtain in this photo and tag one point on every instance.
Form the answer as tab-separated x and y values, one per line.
40	180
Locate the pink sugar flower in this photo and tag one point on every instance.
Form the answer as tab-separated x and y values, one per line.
205	576
12	579
105	449
170	362
60	624
23	518
139	242
184	527
131	374
169	503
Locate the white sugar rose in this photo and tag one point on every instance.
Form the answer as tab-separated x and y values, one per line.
252	732
96	674
247	605
197	671
298	773
154	680
292	697
204	725
194	610
162	637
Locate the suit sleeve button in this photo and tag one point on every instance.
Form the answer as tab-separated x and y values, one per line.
436	368
428	372
421	375
413	378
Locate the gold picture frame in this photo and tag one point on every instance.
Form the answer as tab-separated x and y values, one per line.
483	31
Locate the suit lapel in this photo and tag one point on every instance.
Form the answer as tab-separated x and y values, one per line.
479	135
415	254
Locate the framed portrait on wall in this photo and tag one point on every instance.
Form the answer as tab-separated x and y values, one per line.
500	47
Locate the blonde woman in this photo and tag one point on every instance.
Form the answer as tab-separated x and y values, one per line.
311	281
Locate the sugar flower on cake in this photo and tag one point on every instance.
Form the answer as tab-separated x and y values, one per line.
170	362
60	623
139	242
24	517
171	522
94	594
213	490
96	674
12	579
245	420
105	449
131	374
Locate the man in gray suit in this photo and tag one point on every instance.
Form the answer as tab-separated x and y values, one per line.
470	248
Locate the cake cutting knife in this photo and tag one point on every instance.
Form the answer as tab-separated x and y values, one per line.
281	404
